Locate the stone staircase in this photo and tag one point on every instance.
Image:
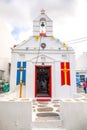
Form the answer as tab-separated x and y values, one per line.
46	115
48	124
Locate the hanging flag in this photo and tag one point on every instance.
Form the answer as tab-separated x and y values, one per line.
21	72
65	73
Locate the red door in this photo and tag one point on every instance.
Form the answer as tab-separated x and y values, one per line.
43	81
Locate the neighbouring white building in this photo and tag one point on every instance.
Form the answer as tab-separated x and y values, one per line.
44	64
81	68
4	69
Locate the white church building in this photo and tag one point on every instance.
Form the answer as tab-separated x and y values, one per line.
43	64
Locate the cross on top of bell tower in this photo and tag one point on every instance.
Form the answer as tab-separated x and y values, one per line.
42	11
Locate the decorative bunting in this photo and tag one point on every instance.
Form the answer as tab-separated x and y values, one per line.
65	45
37	38
21	72
52	37
65	73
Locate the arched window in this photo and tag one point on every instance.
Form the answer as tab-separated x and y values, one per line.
42	27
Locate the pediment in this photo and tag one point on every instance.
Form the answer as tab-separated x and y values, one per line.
34	44
42	58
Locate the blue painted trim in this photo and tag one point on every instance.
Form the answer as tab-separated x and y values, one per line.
18	77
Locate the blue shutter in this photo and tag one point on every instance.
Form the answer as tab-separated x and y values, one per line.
24	64
24	77
18	73
18	64
18	77
23	73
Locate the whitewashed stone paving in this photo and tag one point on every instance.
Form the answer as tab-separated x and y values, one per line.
48	119
48	129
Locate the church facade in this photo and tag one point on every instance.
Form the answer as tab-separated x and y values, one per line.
43	64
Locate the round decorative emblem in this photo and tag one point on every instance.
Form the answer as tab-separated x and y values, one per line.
21	68
43	45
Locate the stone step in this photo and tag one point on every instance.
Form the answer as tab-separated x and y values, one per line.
43	99
60	128
47	124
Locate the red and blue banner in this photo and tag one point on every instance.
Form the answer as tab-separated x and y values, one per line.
65	73
21	72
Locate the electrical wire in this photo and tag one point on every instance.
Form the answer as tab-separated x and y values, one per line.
38	51
77	40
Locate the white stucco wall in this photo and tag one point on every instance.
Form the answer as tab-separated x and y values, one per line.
74	114
51	58
15	115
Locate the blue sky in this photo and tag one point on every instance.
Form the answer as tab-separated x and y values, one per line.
69	21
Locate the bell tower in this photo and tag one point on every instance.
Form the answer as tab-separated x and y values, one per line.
42	25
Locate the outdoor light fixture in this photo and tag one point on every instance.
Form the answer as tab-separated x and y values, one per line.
43	63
